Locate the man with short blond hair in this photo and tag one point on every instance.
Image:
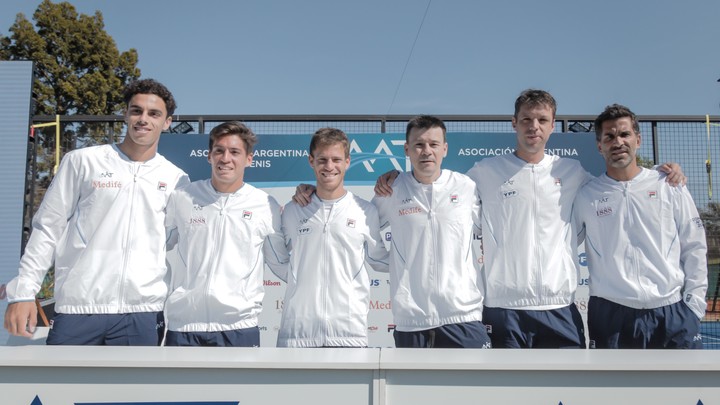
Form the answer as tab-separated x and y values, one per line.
331	241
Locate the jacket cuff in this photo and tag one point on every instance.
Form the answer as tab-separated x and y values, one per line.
19	290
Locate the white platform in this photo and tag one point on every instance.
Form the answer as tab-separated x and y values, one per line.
171	375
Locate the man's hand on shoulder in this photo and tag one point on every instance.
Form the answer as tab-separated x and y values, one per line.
303	194
383	185
675	175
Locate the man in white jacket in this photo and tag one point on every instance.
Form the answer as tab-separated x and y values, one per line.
530	274
101	222
331	242
432	212
224	229
646	248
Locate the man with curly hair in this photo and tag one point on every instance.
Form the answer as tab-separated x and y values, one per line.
101	223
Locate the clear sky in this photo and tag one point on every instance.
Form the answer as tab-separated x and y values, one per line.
471	57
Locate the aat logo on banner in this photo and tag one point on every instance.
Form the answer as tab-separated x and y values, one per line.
37	401
379	153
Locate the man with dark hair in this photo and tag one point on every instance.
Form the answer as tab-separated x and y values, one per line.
436	301
529	253
331	241
223	229
646	248
101	222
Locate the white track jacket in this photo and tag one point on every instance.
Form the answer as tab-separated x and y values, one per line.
645	242
328	286
222	240
101	221
433	272
530	247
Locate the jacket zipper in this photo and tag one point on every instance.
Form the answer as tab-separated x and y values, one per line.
536	202
126	256
223	202
323	288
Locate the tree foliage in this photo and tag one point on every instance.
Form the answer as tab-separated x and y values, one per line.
78	70
642	162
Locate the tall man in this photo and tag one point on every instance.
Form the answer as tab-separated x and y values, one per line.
646	248
101	222
331	241
222	226
435	298
530	274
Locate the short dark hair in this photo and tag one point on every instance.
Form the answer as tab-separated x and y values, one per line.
425	122
535	98
150	86
234	128
329	136
613	112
